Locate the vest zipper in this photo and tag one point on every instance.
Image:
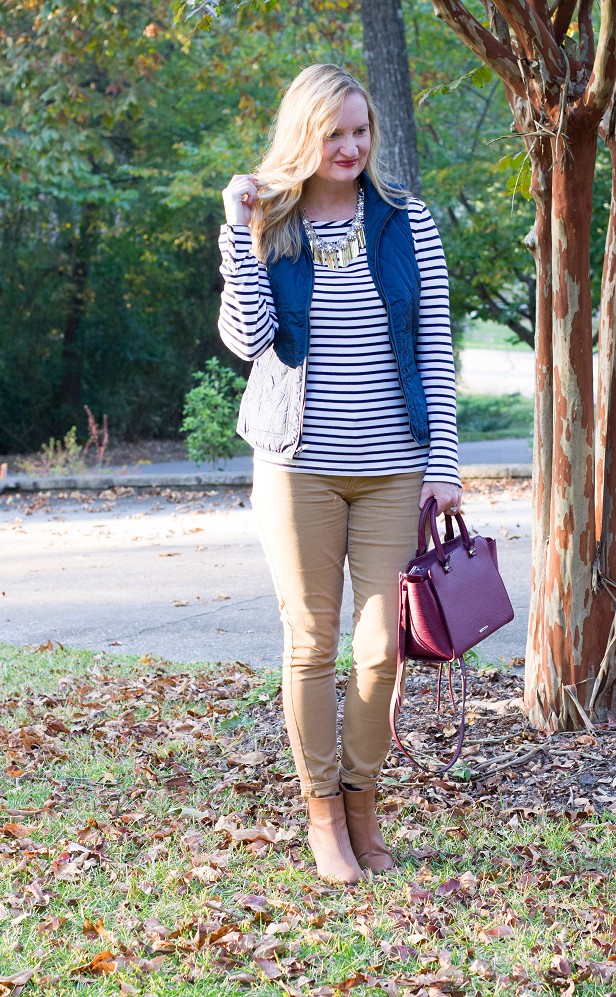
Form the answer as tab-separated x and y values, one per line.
297	449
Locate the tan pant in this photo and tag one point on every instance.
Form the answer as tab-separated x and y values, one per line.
308	524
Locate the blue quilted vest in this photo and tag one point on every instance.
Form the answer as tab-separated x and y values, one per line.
273	404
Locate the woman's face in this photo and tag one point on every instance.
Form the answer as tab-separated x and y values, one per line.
346	150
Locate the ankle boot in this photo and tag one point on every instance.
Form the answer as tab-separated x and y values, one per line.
364	831
329	840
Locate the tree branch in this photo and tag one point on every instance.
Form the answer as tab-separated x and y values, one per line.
562	19
498	24
542	10
480	41
587	35
601	82
479	126
526	335
534	34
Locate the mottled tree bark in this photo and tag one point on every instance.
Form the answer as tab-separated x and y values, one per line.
539	242
605	443
390	86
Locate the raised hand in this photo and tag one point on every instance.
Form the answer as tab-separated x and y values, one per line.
239	198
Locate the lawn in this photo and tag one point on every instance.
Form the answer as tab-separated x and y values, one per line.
153	843
494	417
486	335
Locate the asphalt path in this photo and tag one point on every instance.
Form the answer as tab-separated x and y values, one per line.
512	450
184	578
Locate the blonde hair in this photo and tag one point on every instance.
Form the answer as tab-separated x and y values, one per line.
308	113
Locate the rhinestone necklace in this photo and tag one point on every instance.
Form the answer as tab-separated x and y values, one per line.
339	252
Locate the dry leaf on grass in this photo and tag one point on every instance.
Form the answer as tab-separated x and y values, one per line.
486	935
269	947
95	929
317	936
14	984
17	831
103	964
271	969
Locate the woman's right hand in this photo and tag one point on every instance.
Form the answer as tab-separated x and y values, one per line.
239	198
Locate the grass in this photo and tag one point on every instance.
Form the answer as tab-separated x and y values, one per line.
494	417
479	334
115	752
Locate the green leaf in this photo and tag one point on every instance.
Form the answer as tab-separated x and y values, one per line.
461	770
479	75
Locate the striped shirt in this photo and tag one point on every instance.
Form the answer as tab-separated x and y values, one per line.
355	418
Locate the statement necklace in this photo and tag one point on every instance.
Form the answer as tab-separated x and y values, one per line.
339	252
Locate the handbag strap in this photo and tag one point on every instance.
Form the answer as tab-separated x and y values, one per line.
396	699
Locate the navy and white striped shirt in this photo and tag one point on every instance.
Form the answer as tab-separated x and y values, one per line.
355	419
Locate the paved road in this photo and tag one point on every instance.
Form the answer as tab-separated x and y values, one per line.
508	451
105	575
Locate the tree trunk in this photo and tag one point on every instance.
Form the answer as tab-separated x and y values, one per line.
85	240
390	85
558	95
539	242
571	624
605	441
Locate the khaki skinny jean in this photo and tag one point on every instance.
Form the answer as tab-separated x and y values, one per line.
308	524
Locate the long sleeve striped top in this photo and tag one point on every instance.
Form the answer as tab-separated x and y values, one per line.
355	418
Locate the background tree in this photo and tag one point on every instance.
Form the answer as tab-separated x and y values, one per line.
387	63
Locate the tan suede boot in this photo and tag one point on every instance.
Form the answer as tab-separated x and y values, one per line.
364	831
329	840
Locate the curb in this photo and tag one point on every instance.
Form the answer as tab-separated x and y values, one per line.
495	471
99	482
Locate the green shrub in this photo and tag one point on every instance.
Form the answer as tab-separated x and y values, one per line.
210	413
56	457
493	417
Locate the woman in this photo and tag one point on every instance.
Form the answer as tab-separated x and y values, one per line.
336	285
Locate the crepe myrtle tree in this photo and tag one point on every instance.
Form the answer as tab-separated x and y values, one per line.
560	91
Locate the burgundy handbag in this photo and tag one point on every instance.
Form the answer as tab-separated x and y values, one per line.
451	598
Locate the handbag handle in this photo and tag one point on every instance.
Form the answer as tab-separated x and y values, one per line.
396	703
429	510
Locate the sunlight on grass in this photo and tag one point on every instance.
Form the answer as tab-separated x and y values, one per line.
151	813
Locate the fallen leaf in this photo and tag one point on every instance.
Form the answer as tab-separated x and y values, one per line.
468	882
219	933
348	984
498	931
102	964
480	968
189	812
93	929
18	979
317	936
271	969
51	924
448	887
178	602
204	874
268	947
17	831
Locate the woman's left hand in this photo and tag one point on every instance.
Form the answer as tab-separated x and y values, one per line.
448	497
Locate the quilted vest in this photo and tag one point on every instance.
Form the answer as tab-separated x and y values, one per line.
272	408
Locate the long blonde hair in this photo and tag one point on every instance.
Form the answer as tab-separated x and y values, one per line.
308	113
